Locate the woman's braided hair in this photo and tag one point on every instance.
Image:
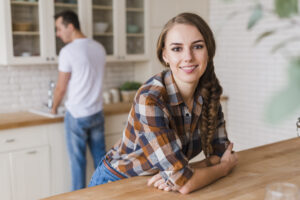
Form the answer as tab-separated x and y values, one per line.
210	88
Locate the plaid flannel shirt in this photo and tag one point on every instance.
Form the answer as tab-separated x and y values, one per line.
161	134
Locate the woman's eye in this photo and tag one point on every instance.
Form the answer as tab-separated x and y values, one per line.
176	49
199	46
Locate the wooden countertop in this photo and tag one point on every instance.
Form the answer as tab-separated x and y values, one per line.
23	119
257	167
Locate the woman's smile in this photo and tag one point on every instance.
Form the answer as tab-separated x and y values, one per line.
189	68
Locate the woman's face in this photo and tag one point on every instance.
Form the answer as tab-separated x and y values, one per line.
186	53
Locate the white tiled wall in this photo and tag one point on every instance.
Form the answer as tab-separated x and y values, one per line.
249	74
23	87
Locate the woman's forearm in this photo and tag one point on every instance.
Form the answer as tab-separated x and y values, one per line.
213	160
203	177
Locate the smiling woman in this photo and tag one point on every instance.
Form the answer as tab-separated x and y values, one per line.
175	115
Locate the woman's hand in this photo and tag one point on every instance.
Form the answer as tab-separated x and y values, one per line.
159	183
229	159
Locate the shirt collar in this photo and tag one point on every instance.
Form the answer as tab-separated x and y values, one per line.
173	91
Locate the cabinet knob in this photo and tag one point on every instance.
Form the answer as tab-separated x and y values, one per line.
32	152
52	59
47	58
9	140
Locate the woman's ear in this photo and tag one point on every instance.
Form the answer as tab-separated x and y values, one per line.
165	57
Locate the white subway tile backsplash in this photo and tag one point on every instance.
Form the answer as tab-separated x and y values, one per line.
24	87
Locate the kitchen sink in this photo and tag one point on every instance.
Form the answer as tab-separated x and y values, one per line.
46	112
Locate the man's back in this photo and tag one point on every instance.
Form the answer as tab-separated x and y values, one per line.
85	59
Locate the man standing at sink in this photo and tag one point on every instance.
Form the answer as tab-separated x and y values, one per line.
81	69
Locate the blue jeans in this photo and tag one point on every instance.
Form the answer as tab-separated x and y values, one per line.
80	132
104	175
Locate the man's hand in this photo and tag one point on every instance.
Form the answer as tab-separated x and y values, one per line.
54	111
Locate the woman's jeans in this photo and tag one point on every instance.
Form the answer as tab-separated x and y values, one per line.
80	132
105	173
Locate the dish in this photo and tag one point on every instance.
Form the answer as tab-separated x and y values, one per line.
132	28
22	26
100	27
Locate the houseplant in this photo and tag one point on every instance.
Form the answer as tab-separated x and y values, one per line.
128	90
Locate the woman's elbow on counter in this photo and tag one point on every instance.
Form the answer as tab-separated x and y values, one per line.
184	190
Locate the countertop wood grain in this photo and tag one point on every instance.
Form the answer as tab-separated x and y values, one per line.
23	119
257	167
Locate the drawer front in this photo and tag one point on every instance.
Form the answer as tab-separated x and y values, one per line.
15	139
115	124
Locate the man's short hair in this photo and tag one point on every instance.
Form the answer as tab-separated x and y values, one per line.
68	17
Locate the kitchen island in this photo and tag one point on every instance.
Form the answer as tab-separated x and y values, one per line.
257	167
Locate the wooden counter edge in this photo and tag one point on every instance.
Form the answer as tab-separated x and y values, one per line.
25	119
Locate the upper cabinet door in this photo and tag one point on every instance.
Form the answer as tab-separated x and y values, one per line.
135	22
24	32
26	35
136	25
102	24
120	26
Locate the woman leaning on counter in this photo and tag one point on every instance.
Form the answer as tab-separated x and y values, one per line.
175	115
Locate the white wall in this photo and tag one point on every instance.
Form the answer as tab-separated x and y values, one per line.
249	74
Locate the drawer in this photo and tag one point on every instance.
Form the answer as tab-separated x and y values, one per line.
15	139
115	124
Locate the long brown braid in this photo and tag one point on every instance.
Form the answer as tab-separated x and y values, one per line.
210	87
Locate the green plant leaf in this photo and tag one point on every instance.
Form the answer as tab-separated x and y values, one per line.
284	43
130	85
285	8
256	16
286	101
264	35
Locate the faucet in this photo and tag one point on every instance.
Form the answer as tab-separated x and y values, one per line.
50	94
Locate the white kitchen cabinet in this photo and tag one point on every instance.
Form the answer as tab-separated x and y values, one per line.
5	179
25	32
24	164
27	29
30	173
60	168
127	35
114	126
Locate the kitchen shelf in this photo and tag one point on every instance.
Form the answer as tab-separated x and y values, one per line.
66	5
21	33
135	35
103	34
98	7
135	9
24	3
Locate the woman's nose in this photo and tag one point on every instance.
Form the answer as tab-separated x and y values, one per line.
188	55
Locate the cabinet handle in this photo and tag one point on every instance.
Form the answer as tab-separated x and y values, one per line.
9	140
32	152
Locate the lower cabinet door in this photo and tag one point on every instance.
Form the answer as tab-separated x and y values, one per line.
5	184
30	173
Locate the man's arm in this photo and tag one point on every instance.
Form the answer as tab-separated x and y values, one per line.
60	89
